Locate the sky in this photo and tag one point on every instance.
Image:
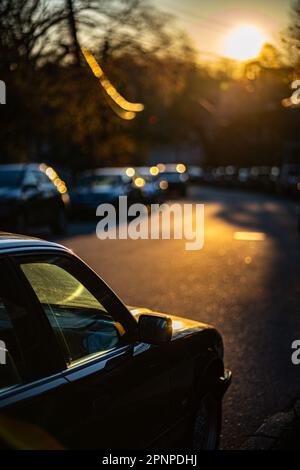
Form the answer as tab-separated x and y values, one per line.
210	22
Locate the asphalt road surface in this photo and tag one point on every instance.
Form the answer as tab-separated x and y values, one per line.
248	289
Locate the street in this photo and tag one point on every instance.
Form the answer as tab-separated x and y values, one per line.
247	289
112	113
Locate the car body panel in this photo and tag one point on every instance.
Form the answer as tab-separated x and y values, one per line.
136	395
36	202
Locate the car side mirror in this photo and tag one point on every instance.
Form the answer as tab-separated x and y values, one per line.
154	329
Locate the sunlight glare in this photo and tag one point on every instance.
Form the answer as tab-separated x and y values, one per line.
244	42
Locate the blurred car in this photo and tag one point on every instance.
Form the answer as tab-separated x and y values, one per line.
219	175
195	174
289	179
32	195
104	185
243	176
93	373
231	175
173	178
208	175
151	191
264	177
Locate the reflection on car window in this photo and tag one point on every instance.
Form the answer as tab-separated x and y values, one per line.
81	323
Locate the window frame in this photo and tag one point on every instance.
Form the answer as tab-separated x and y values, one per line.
92	282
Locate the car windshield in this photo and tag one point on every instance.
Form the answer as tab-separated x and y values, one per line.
99	181
171	176
148	178
10	178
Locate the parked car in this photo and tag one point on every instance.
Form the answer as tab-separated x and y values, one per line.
32	195
173	178
289	179
243	177
105	185
93	373
151	191
219	175
195	174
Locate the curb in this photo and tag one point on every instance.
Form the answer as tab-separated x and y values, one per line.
281	431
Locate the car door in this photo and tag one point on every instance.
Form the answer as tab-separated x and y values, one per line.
33	394
51	201
47	197
33	198
118	388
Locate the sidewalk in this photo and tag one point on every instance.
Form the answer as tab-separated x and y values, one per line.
281	431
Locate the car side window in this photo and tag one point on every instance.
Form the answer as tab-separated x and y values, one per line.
31	178
43	178
81	323
10	353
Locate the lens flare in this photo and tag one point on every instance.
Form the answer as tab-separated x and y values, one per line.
130	172
244	42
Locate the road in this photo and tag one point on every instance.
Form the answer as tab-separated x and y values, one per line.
248	289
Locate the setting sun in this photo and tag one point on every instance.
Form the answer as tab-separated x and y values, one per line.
244	42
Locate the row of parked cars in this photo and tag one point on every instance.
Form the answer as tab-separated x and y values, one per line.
140	184
34	195
282	180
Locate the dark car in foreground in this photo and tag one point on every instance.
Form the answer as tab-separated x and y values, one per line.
32	195
99	186
90	372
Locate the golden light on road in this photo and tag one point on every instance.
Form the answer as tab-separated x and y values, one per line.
154	170
249	236
180	168
244	42
129	108
130	172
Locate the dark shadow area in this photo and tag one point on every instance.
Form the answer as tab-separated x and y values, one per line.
268	321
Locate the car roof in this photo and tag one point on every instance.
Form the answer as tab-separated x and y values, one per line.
170	168
13	241
106	171
143	169
18	166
